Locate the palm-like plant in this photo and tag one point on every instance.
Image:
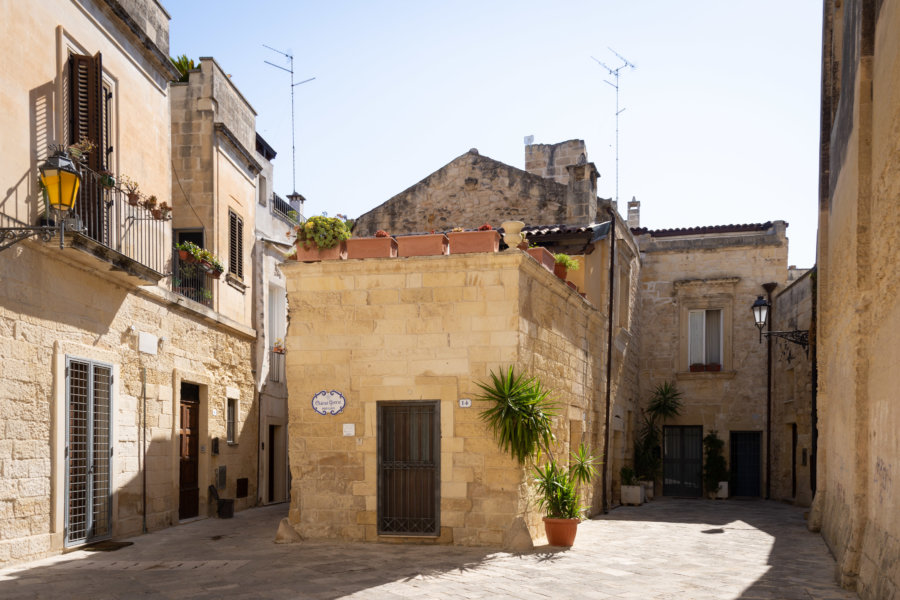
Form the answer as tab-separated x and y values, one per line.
520	413
557	486
665	401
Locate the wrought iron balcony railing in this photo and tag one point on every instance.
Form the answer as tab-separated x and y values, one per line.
192	281
106	215
284	210
276	366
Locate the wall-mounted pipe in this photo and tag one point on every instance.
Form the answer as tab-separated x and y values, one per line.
609	350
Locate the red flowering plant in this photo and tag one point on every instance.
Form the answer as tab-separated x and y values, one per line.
382	233
485	227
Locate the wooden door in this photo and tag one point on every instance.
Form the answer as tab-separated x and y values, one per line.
409	439
189	437
746	463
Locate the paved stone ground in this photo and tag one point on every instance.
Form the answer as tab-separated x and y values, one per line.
674	549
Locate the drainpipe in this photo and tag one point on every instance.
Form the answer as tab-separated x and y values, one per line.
144	449
769	287
609	349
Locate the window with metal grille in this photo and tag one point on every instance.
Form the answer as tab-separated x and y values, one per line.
235	245
230	419
408	468
88	450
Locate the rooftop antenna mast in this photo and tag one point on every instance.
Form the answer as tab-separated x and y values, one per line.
294	195
615	74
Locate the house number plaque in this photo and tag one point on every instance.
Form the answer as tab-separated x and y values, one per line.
329	403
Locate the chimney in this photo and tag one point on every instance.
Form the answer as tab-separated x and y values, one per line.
581	194
634	213
552	161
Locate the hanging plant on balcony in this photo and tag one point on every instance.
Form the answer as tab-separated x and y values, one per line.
107	179
161	212
211	262
81	149
132	189
188	252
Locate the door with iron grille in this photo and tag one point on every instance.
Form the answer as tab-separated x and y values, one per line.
88	451
682	460
409	440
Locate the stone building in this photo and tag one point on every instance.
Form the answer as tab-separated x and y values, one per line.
857	502
400	343
127	386
559	187
696	289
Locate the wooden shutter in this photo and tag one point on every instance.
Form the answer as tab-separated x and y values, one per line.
235	245
86	105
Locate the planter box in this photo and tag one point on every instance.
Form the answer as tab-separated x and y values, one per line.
714	367
632	495
648	490
723	490
429	244
374	247
560	270
463	242
697	367
543	256
315	254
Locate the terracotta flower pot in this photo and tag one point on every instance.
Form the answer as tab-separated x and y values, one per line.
543	256
561	532
429	244
375	247
464	242
560	270
134	198
183	256
316	254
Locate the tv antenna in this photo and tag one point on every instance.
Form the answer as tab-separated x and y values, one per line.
615	74
294	195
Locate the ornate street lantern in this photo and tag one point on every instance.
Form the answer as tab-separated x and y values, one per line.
61	181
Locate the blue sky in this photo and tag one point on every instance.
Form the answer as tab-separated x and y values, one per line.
720	122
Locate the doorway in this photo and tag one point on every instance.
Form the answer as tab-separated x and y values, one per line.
408	468
189	438
682	460
746	463
88	450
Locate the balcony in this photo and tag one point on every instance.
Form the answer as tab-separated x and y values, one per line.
126	235
193	281
276	366
284	210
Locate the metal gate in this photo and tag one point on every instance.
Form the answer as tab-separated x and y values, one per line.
746	463
88	451
408	468
682	460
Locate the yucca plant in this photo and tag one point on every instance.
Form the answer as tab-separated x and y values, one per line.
558	487
520	413
665	401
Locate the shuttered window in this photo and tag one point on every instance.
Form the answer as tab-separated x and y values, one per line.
235	245
88	107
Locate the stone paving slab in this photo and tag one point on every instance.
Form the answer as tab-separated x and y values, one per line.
667	549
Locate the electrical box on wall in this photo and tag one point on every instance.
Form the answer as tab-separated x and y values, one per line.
214	446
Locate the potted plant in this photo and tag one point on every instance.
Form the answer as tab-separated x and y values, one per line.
715	471
132	190
563	263
162	211
380	246
320	238
632	493
424	244
647	461
188	252
278	346
107	179
483	239
543	256
520	417
79	150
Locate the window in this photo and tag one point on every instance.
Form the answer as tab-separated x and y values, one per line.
230	419
235	245
705	337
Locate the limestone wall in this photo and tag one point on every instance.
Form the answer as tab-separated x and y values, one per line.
709	271
429	328
857	501
35	339
550	160
792	443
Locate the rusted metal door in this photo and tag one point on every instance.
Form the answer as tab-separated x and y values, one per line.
189	437
408	468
